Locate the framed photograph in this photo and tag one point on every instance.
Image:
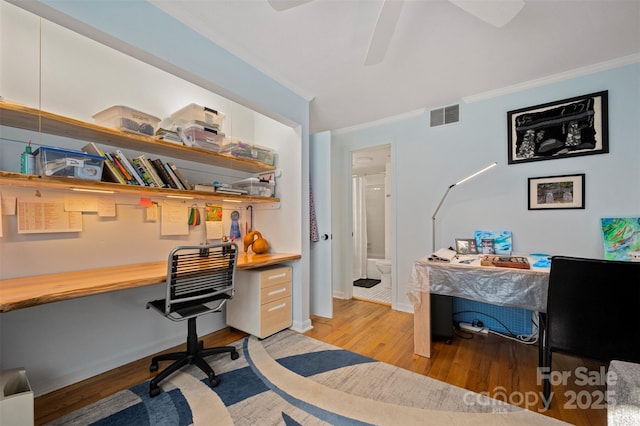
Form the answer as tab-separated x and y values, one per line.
560	129
556	192
466	246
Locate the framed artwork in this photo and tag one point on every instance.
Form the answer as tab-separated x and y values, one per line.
556	192
560	129
620	236
494	242
466	246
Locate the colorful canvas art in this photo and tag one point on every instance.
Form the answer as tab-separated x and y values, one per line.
501	240
620	236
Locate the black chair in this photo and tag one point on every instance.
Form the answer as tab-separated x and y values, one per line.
592	312
200	280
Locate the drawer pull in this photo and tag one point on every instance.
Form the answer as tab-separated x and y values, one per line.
275	308
273	277
278	291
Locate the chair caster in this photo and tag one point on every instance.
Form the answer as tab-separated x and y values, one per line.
235	355
154	391
214	381
153	367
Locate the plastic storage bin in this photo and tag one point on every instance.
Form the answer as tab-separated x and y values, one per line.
203	137
200	114
255	186
16	398
127	119
61	162
237	148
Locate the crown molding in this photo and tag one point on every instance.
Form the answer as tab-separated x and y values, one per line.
578	72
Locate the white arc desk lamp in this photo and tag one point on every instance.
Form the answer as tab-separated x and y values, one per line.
433	218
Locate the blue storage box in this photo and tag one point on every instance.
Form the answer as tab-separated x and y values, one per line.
66	163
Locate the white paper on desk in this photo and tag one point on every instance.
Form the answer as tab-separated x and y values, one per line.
443	255
174	219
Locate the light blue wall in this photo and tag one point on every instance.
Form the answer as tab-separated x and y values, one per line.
427	160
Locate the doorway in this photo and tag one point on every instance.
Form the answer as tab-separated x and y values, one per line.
371	206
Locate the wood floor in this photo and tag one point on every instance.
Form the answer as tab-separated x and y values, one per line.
487	364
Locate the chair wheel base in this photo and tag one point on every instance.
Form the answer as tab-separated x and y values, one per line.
154	391
214	381
235	355
153	367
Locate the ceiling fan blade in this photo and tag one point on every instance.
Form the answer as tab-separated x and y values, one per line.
281	5
382	33
495	12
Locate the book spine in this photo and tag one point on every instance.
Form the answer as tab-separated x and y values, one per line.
152	172
143	171
132	170
109	171
125	173
173	176
180	176
157	163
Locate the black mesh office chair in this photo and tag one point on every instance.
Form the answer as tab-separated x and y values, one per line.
592	312
200	279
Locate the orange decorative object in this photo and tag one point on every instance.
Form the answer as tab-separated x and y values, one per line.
259	245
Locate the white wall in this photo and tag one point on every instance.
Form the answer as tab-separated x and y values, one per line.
427	160
76	76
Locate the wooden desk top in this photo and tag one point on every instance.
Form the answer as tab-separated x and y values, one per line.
18	293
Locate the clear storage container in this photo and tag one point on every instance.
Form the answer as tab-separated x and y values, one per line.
127	119
200	114
255	186
203	137
237	148
62	162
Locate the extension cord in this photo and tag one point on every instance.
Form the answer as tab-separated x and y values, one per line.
473	329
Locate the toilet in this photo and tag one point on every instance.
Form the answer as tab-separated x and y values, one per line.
384	266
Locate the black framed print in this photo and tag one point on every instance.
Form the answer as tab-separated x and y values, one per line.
556	192
560	129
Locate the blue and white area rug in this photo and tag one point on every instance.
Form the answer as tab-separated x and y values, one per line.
289	379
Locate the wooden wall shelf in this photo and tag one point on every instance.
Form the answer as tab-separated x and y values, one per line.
23	117
33	181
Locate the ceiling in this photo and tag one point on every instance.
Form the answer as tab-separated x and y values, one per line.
437	55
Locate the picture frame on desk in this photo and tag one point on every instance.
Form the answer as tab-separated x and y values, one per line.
560	129
466	246
556	192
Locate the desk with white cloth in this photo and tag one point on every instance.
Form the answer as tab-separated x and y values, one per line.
522	288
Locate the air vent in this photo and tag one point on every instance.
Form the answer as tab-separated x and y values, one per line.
446	115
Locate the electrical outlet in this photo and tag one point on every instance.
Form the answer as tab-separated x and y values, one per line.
473	329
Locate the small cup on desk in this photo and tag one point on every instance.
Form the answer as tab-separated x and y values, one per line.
634	256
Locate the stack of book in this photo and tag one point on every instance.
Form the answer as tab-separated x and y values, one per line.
168	136
138	170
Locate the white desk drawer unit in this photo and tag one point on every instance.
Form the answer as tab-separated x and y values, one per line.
261	305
